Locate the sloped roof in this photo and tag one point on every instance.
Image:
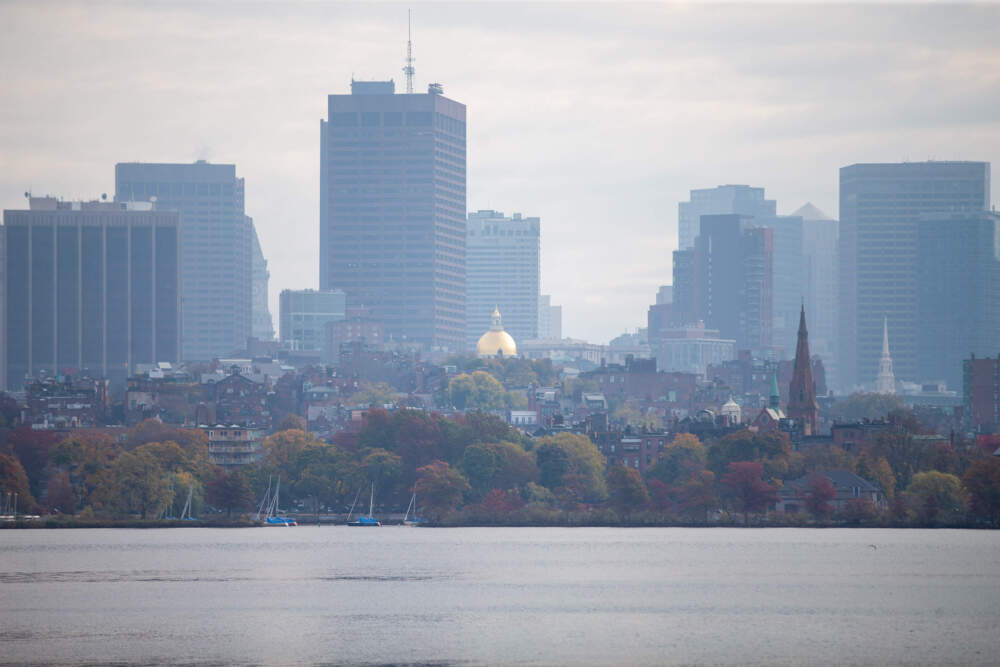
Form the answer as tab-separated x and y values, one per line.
841	479
810	212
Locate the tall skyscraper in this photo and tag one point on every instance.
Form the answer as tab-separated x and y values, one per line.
216	248
305	314
958	293
502	271
819	256
91	287
730	285
880	206
739	199
789	277
263	326
549	319
393	207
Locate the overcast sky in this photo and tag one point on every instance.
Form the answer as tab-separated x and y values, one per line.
597	118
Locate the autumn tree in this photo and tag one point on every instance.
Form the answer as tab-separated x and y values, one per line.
440	488
571	461
229	490
501	465
746	487
626	492
683	457
13	480
86	457
478	390
139	485
819	492
937	497
982	480
292	422
59	495
770	449
32	449
379	394
697	496
383	469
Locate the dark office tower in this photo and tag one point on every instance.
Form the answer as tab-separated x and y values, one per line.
392	209
958	293
684	309
880	205
216	248
92	287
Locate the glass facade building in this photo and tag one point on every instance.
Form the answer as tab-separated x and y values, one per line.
91	287
216	248
393	207
304	315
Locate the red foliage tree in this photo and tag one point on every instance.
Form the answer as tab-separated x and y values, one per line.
745	485
819	492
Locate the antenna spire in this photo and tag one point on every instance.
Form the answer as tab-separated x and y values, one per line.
408	68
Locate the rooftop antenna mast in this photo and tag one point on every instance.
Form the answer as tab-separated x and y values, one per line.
408	68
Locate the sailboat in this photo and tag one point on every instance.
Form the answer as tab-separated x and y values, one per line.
407	521
186	512
369	520
268	510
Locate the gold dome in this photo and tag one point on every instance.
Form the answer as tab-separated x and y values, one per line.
496	342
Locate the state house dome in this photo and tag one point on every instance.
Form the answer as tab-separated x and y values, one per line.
496	342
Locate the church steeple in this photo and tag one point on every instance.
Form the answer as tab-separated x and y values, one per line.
802	390
885	383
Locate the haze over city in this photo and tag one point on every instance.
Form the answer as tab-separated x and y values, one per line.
598	119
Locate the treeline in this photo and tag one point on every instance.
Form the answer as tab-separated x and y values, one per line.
475	469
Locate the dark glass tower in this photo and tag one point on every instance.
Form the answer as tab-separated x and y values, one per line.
880	206
92	287
392	210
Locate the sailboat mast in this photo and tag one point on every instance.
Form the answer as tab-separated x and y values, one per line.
371	502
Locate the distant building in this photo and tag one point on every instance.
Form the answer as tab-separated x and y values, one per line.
216	254
692	349
263	326
496	342
788	278
885	381
232	446
738	199
847	486
549	319
819	251
359	327
91	287
304	315
981	391
880	208
958	289
502	271
393	210
67	403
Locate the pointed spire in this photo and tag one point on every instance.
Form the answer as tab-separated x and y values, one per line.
775	401
885	336
802	321
802	403
885	382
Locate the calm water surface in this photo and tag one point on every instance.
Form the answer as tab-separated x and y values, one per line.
337	595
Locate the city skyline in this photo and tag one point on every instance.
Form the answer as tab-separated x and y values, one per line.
612	132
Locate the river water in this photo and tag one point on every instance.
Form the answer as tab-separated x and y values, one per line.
339	595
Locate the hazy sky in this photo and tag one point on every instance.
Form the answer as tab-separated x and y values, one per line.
597	118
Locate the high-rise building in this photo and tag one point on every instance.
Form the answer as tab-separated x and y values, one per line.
789	277
958	293
981	393
393	207
549	319
880	206
216	248
304	315
263	326
732	281
91	287
739	199
502	259
819	255
802	403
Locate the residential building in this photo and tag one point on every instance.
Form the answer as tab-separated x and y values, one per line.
981	392
232	446
304	315
502	271
738	199
67	402
91	287
359	327
692	349
847	486
549	319
958	293
393	207
216	248
262	327
880	208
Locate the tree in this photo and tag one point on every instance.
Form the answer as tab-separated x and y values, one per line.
858	511
572	462
480	390
383	469
292	422
379	394
87	457
683	457
746	487
139	485
937	497
282	450
819	492
698	495
13	480
229	490
982	480
771	449
626	492
32	449
59	496
440	488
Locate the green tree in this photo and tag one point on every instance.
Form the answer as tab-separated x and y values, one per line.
383	469
747	489
378	394
139	485
982	480
229	490
626	492
773	450
440	488
86	457
480	390
859	406
937	497
683	457
292	422
571	461
283	449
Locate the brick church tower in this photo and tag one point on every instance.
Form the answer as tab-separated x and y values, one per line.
802	390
